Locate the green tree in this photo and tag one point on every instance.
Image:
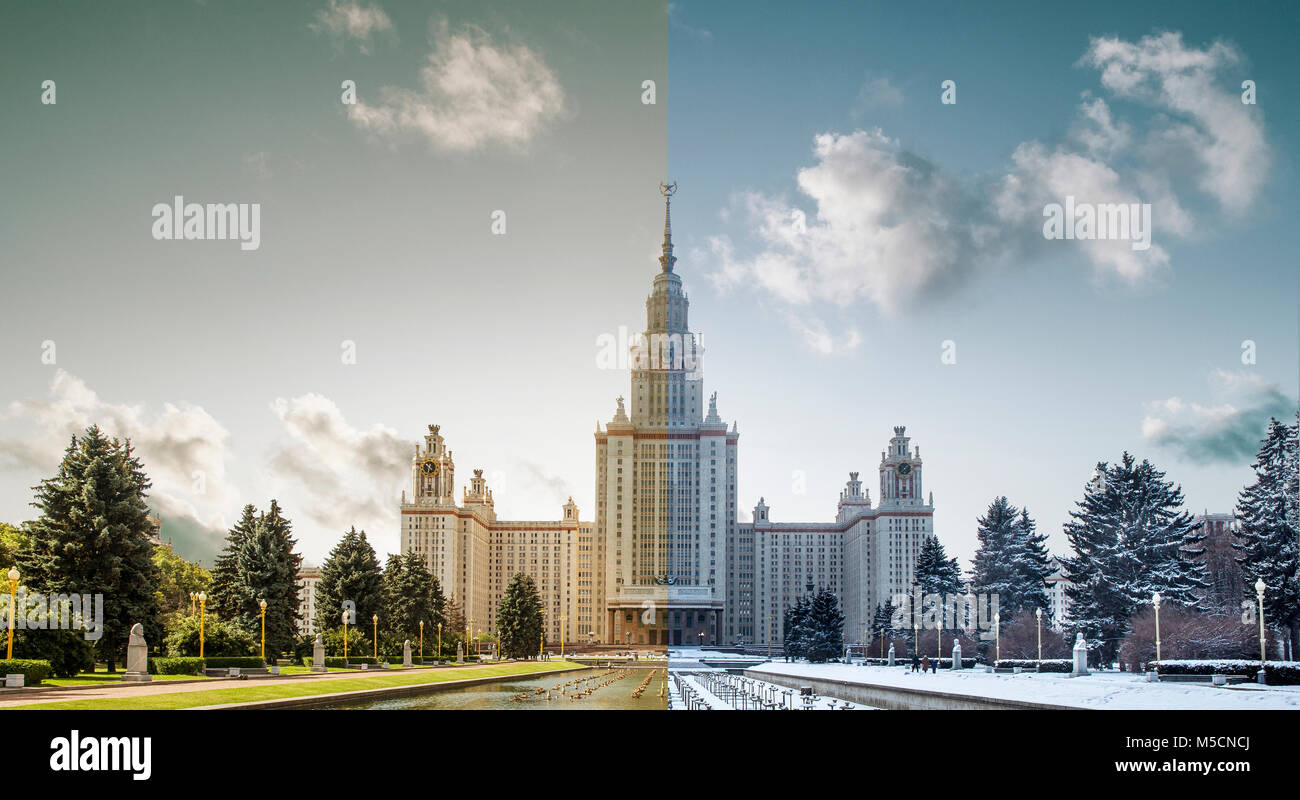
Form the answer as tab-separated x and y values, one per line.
12	542
519	618
935	572
177	580
267	569
224	596
350	574
220	638
92	537
411	595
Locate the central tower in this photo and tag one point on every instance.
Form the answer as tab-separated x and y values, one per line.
665	481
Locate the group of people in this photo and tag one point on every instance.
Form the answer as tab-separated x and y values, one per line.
924	664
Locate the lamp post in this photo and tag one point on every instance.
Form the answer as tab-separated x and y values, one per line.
193	599
421	641
1155	601
997	638
478	643
262	605
1259	594
916	638
13	608
203	602
374	618
1038	612
345	639
562	619
439	641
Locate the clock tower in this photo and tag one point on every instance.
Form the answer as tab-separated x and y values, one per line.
900	472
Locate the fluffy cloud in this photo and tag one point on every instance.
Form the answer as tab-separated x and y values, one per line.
877	93
352	22
472	93
1227	433
339	474
184	450
879	225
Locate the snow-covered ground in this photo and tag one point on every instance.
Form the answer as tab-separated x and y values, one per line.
1103	690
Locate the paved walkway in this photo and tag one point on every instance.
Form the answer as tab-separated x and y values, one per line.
56	694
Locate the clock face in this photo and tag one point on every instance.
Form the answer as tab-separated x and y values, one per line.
430	467
904	469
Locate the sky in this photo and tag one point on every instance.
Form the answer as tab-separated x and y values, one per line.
451	248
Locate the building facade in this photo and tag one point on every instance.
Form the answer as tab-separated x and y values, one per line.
665	561
308	580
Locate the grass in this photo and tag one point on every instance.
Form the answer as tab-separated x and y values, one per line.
104	678
257	692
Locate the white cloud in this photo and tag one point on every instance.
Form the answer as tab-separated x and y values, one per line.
185	452
339	475
879	225
352	21
1228	431
877	93
473	92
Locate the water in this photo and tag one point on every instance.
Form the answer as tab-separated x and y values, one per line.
613	691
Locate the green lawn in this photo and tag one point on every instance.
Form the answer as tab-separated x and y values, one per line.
102	678
274	691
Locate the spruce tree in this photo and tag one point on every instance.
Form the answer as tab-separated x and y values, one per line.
350	573
223	596
935	572
994	572
1033	565
519	618
411	595
822	628
92	537
1267	530
267	569
1131	538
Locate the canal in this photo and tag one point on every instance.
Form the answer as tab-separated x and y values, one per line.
588	689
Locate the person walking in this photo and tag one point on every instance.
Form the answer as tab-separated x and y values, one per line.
916	662
925	664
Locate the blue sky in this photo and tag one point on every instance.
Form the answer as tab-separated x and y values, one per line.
920	225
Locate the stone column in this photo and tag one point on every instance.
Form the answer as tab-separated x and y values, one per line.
318	655
956	655
137	657
406	654
1080	657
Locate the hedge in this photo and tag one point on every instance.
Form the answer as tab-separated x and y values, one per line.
904	661
34	671
1277	673
1032	664
245	662
175	665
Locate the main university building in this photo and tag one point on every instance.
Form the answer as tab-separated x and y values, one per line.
666	561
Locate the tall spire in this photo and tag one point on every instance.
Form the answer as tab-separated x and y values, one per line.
667	260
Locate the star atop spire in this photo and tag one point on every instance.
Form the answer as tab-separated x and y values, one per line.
667	260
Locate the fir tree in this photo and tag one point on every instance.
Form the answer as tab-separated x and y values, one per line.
519	618
1131	538
994	572
411	595
92	537
821	629
1267	529
935	572
350	573
1033	565
223	596
267	569
793	622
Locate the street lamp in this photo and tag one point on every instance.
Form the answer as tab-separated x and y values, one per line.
439	641
562	619
374	618
1259	593
345	639
916	638
997	638
1155	601
13	608
421	641
1038	612
262	605
193	599
203	601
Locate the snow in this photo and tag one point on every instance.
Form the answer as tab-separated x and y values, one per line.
1100	690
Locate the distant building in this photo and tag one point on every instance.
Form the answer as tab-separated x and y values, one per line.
1057	583
308	579
1223	573
155	531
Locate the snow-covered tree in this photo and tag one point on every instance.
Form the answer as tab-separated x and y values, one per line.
1268	518
1131	538
935	572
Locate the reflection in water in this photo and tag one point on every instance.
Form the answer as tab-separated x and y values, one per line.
637	689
